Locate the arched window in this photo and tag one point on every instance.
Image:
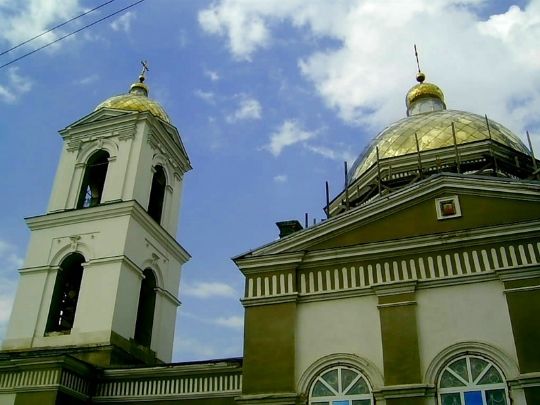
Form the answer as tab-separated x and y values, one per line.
65	294
93	180
340	386
157	194
472	380
145	310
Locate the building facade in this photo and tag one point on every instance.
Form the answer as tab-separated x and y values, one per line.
421	287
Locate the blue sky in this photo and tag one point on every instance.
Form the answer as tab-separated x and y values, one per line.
270	98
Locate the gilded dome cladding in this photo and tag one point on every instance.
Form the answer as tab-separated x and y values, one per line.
434	130
423	90
136	100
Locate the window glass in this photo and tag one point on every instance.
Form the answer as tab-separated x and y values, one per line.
472	380
341	386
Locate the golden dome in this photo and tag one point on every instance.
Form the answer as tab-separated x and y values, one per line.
136	100
434	130
423	90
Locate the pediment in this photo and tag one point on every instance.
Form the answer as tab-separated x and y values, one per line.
100	115
412	212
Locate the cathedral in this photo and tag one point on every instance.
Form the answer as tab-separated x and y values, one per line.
422	286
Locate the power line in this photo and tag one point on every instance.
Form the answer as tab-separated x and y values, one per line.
56	27
70	34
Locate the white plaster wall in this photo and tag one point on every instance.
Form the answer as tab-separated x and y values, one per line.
164	326
62	181
98	239
97	299
140	246
349	325
175	205
25	310
469	312
140	172
127	301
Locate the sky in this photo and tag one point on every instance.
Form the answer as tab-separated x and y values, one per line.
270	98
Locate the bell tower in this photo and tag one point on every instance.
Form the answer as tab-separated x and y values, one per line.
102	271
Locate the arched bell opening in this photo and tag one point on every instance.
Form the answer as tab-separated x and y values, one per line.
65	294
157	194
93	180
145	310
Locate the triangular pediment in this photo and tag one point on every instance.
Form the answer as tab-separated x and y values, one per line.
412	212
100	115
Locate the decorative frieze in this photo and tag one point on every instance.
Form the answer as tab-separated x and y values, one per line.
367	273
170	387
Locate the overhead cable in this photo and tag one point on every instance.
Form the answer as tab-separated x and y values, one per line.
55	27
70	34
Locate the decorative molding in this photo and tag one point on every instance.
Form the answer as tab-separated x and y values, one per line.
453	202
113	210
398	274
168	295
278	398
367	368
172	387
525	380
396	304
280	299
404	391
508	366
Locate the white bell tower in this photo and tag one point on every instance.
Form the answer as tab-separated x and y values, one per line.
102	271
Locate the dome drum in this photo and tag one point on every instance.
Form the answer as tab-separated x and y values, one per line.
483	157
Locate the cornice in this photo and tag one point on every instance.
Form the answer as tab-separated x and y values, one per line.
284	261
276	299
173	370
392	248
113	210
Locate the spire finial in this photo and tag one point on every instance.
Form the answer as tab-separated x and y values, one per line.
145	69
420	77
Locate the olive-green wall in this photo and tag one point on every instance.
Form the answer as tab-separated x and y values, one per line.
532	394
524	309
33	398
269	349
477	211
401	358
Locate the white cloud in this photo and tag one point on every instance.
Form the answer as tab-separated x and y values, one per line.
233	322
15	86
123	23
10	262
484	64
281	178
209	290
194	347
212	75
246	31
23	19
88	80
207	96
331	153
288	134
248	109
